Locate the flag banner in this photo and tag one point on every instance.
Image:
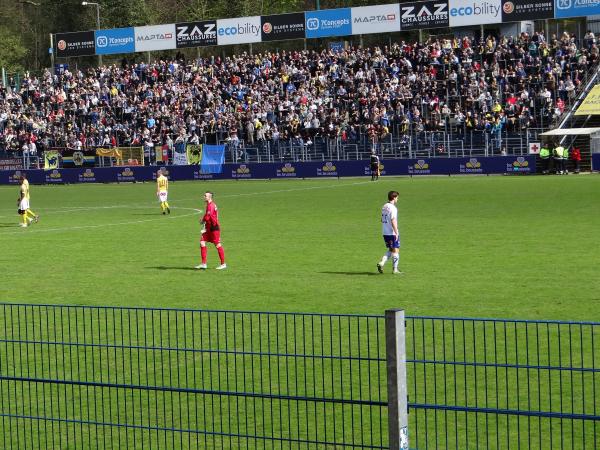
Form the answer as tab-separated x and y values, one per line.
78	158
180	155
213	157
51	158
161	153
194	154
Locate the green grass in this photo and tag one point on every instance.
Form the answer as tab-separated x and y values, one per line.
505	247
518	247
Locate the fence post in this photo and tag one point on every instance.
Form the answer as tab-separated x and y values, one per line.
396	374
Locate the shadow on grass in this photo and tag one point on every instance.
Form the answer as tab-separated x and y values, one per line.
9	225
358	274
172	268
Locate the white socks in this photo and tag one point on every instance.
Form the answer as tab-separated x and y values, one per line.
385	257
396	260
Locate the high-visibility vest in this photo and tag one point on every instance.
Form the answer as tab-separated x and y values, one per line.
558	151
544	153
565	154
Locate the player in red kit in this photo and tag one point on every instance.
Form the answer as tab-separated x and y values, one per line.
211	232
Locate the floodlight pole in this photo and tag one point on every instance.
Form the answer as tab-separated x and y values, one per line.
97	22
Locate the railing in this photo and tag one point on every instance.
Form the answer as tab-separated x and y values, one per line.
79	377
94	377
501	384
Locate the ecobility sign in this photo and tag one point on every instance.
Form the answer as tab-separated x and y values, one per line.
517	10
282	26
576	8
328	22
155	37
75	44
116	40
376	19
419	15
474	12
196	34
240	30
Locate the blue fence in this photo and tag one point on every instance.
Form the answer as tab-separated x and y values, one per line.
322	169
93	377
78	377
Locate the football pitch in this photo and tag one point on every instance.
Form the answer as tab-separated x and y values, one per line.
503	247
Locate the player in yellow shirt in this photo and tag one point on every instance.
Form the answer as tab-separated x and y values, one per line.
162	191
27	215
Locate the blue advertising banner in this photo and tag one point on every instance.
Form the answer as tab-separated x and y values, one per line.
116	40
576	8
311	169
328	22
596	162
12	176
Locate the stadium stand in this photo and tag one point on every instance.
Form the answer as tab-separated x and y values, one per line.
442	96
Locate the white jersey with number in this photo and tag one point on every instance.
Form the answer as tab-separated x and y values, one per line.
389	212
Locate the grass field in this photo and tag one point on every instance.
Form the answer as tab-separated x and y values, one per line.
511	247
514	247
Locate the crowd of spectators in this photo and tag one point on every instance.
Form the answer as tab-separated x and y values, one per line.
504	83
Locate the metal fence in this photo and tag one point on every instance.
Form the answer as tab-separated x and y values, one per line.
92	377
503	384
137	378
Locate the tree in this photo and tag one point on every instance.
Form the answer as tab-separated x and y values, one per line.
12	51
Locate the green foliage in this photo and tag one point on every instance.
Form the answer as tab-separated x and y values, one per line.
12	51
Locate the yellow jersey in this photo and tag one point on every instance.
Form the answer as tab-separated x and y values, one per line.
25	190
162	183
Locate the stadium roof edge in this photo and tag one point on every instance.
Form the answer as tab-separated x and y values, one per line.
571	132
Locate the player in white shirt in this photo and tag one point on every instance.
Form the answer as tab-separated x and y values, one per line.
391	236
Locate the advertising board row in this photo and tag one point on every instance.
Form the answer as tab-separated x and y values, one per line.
317	24
322	169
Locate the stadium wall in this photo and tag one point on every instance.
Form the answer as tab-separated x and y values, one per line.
313	169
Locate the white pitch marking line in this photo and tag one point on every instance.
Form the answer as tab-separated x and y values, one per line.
68	209
84	208
105	225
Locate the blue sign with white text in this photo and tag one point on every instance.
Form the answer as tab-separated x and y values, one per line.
328	22
116	40
596	162
576	8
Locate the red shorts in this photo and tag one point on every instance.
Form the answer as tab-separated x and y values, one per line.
213	237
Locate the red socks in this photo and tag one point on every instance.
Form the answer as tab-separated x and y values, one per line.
203	252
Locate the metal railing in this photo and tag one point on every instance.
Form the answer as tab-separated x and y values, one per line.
140	378
92	377
501	384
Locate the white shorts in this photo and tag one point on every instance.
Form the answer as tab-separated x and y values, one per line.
162	196
24	205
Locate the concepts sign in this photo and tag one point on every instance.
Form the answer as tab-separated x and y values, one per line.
576	8
328	22
116	40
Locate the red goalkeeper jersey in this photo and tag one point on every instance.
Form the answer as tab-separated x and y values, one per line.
211	217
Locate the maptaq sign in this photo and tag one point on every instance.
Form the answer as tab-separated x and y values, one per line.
376	19
328	22
155	37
